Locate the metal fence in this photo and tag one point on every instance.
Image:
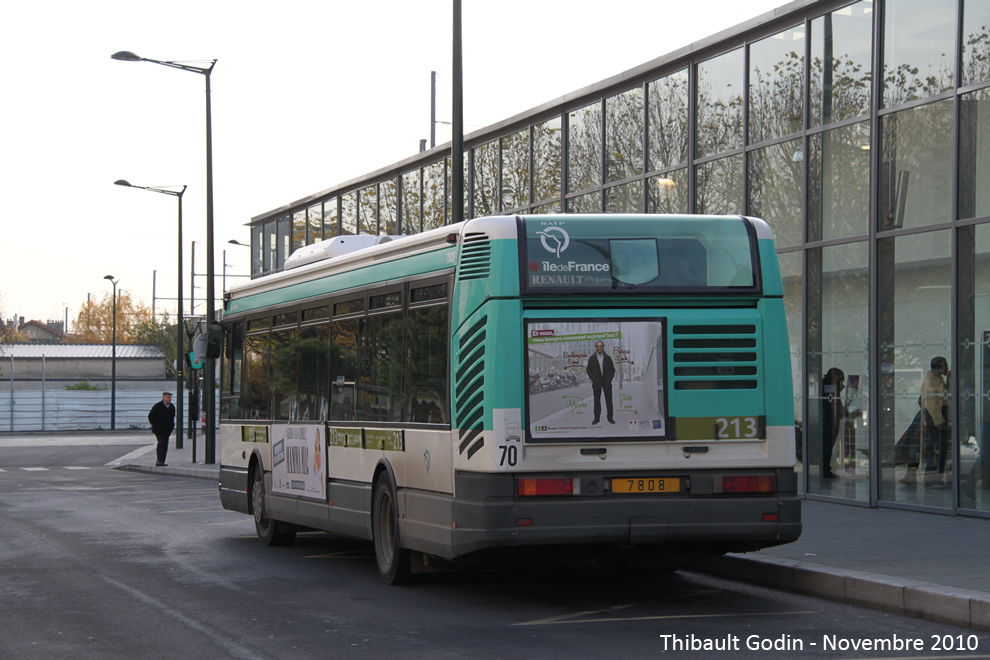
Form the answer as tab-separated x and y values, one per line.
68	410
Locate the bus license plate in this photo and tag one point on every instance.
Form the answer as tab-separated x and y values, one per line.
646	485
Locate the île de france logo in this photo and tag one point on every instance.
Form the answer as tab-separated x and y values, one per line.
554	239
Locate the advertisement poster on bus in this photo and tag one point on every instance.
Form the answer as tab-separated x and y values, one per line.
298	461
595	379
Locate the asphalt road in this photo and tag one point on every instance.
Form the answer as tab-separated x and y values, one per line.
101	563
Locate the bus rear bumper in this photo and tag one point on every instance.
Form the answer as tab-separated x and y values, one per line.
669	524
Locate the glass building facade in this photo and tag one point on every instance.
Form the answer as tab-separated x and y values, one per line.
861	132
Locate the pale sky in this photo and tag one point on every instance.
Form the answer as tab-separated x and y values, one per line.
306	95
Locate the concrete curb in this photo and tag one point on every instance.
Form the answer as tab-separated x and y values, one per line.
170	471
960	607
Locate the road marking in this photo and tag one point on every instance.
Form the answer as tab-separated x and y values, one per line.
35	469
344	554
574	618
137	453
77	467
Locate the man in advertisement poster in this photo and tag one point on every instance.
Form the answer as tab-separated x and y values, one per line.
601	371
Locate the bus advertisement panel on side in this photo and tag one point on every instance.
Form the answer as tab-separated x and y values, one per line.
298	467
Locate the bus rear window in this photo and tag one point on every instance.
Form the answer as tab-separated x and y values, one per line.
688	253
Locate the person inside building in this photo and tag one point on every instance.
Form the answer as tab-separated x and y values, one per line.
833	417
934	402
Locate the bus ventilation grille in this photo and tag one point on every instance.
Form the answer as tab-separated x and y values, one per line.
476	257
715	357
469	383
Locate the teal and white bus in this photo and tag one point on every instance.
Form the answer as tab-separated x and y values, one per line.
612	386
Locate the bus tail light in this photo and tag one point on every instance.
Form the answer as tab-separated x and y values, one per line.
545	486
749	484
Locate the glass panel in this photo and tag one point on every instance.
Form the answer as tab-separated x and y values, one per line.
380	385
669	192
976	42
776	85
314	218
839	177
624	135
257	249
838	356
668	117
719	186
974	154
283	247
841	47
314	361
590	203
389	221
914	312
299	223
233	340
344	369
271	246
584	148
348	211
426	366
486	180
627	198
916	167
546	160
330	218
515	170
682	245
973	351
284	365
547	208
919	47
791	271
411	198
720	104
368	210
257	351
433	196
776	190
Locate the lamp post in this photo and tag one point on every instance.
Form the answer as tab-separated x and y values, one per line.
113	359
225	264
210	376
179	361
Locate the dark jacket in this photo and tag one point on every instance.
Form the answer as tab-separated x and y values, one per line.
594	372
162	417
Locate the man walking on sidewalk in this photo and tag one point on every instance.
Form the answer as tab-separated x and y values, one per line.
162	418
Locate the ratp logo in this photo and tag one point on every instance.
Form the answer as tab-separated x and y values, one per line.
554	239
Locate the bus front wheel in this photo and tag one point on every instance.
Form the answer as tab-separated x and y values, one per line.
393	561
270	531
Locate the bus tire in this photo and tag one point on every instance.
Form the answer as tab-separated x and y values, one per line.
270	532
394	565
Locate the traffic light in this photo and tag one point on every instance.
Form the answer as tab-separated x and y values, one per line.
209	345
214	341
198	354
192	361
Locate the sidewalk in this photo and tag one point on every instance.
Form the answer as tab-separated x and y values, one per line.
919	564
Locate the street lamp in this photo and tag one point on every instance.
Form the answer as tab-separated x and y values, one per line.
210	376
179	388
225	264
113	359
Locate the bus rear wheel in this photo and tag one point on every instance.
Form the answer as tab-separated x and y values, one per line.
270	532
394	566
